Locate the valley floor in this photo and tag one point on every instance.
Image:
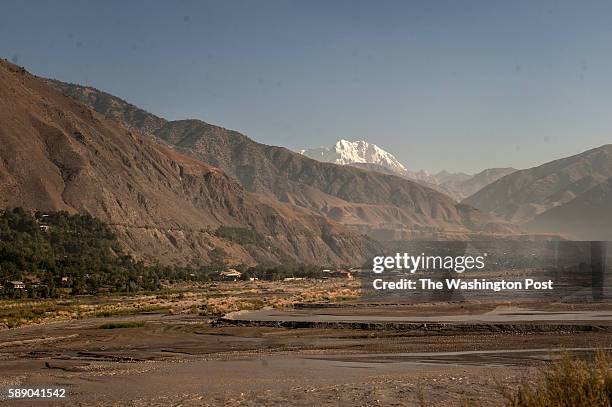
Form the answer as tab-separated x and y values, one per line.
159	359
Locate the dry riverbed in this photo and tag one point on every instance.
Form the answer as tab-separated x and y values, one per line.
184	357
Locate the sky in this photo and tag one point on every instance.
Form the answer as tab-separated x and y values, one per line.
455	85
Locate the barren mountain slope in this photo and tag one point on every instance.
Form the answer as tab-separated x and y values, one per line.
462	188
456	185
111	106
525	194
587	217
435	186
58	154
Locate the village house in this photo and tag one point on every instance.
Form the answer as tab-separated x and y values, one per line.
16	285
339	273
230	274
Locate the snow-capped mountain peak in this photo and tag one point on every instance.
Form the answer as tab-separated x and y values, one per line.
347	152
370	157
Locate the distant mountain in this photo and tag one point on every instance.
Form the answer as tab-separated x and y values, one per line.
421	177
362	154
384	206
368	156
569	195
58	154
586	217
462	185
346	152
447	178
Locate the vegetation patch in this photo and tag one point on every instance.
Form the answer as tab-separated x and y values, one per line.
114	311
60	255
566	382
56	254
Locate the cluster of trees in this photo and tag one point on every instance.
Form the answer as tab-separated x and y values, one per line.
58	254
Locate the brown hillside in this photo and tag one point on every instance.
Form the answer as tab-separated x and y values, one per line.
526	194
58	154
586	217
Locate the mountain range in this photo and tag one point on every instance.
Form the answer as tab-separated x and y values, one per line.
569	196
371	157
166	187
383	206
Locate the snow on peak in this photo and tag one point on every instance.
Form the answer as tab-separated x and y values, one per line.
346	152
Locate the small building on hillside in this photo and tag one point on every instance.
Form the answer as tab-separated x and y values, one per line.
230	274
16	285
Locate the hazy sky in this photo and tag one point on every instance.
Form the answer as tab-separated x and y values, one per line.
441	84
